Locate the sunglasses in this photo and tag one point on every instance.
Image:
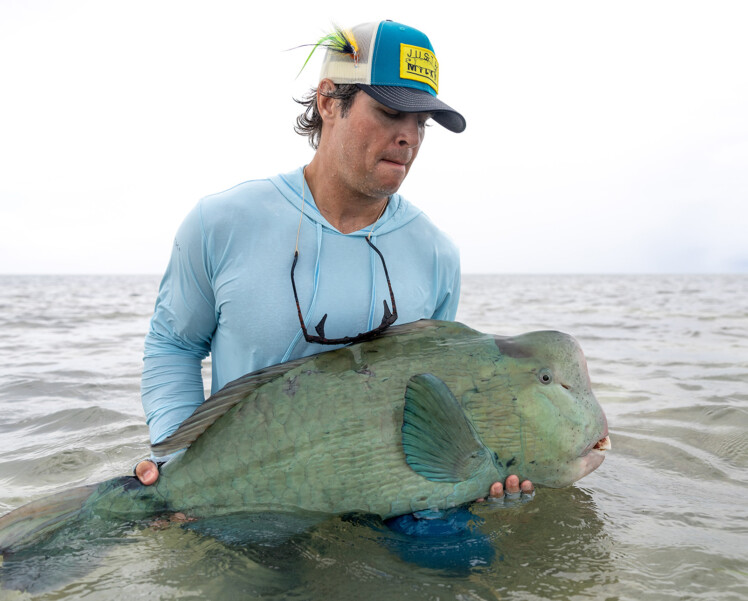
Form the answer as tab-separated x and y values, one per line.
388	318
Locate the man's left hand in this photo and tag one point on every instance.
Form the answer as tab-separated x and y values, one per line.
511	489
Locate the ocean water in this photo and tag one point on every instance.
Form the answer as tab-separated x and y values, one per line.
664	517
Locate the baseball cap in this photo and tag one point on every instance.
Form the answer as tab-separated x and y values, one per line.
394	64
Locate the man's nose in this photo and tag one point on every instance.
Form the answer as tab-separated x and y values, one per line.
410	131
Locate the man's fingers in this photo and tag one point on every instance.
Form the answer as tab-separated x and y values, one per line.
147	472
512	484
496	491
511	491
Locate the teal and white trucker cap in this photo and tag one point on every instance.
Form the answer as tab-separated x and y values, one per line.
394	64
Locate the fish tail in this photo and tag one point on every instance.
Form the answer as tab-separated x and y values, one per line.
38	518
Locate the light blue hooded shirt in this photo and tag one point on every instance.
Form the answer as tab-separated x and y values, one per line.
227	289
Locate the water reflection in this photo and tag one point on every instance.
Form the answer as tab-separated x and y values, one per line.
555	546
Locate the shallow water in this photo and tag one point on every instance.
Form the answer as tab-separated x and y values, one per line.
664	517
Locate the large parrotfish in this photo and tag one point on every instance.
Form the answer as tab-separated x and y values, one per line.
428	415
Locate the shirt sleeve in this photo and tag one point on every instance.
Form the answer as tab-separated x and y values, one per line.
450	292
180	333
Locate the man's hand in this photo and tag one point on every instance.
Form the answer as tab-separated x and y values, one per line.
147	472
511	488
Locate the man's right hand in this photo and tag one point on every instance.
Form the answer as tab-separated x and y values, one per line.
147	472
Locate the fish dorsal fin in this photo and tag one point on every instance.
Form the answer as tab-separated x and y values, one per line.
219	404
439	441
453	328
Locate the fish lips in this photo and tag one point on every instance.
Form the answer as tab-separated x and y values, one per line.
593	456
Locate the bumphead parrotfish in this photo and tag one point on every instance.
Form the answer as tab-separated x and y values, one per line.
428	415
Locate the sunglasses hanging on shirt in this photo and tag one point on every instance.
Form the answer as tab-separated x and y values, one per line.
388	318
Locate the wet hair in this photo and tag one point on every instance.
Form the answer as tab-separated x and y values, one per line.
309	123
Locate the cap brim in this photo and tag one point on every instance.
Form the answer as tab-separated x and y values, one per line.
409	100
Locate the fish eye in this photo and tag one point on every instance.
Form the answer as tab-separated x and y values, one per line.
545	376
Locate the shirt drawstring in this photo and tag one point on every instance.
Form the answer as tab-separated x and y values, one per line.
373	269
310	311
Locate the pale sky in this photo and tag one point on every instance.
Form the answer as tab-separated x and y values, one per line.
602	137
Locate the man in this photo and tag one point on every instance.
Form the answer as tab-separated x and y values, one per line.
339	222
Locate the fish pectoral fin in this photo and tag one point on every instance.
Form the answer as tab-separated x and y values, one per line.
439	441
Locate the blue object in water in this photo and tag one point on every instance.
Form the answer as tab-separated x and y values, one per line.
442	540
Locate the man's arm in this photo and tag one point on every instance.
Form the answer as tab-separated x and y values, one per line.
179	338
450	298
448	278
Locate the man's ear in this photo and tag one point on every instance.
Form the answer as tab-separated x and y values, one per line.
325	105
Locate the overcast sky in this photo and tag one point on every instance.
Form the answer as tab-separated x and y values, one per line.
603	137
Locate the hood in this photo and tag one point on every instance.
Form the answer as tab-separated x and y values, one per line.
398	213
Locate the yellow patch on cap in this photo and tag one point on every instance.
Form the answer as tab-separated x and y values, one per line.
419	64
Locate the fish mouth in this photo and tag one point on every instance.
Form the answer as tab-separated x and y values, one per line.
603	444
592	457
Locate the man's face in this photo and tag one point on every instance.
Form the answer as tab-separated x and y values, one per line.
373	146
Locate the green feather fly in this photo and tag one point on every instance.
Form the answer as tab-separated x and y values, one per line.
340	40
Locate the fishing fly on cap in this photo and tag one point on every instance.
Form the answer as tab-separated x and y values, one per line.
340	40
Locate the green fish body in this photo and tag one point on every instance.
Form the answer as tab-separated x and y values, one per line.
426	416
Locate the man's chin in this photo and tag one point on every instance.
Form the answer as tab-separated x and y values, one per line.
388	183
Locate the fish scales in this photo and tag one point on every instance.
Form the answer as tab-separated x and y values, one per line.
428	415
328	475
339	422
